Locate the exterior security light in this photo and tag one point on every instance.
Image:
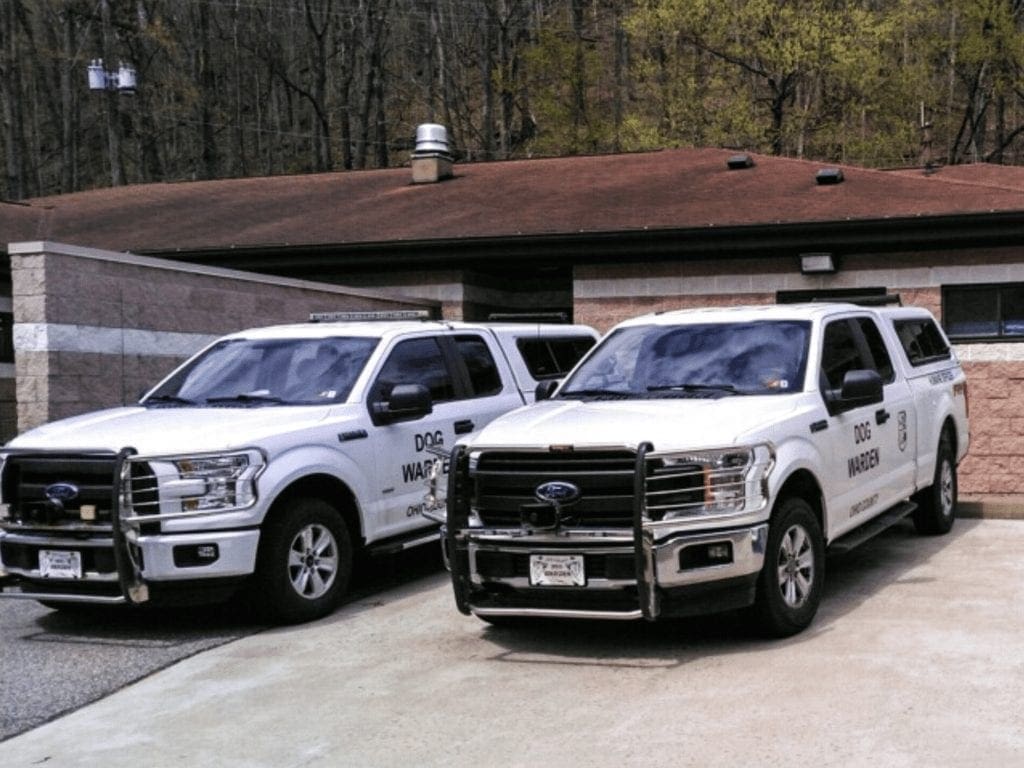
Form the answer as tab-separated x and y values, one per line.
817	263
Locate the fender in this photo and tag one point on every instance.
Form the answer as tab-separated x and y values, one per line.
292	465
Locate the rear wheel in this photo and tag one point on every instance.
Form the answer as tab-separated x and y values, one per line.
936	504
304	563
789	587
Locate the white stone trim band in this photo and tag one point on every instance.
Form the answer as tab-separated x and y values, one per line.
54	337
990	353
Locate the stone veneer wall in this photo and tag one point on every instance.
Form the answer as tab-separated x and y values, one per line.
607	294
94	329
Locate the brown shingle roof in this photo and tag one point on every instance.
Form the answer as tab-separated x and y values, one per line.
672	189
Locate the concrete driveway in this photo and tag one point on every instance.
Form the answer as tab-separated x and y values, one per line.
916	659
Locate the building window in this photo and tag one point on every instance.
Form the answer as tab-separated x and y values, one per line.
984	312
6	337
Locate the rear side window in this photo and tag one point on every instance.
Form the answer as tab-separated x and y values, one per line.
484	378
921	341
554	357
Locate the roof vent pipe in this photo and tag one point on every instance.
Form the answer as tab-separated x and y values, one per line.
739	162
431	160
829	176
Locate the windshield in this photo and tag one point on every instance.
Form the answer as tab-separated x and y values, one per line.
268	371
707	360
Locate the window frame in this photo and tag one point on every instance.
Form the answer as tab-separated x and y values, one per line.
997	290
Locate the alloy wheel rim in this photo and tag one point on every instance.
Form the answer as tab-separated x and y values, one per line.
796	566
946	488
313	561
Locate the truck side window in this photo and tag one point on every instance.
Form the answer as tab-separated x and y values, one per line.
921	341
415	361
484	378
840	353
883	363
553	357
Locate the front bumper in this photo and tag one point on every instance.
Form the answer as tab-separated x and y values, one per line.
147	562
670	576
116	554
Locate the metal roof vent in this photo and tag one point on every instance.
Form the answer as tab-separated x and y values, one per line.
431	139
431	160
829	176
738	162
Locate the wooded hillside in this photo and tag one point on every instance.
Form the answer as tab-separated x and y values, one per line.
258	87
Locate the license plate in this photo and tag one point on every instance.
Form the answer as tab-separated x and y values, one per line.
60	564
557	571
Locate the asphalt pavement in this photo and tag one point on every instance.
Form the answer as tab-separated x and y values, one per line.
915	659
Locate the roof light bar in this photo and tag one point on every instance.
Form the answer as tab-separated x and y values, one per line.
369	316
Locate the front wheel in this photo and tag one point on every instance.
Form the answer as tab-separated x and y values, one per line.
304	563
789	587
936	504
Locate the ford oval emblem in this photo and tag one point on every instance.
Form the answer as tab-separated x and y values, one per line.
61	491
558	493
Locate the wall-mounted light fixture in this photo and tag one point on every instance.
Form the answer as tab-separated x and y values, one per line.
123	80
817	263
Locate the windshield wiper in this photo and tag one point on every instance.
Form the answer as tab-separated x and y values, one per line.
724	388
614	393
168	400
246	397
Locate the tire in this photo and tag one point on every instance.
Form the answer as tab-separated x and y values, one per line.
936	504
791	580
304	562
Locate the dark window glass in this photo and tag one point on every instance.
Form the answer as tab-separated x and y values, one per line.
416	361
6	337
984	312
551	358
883	363
484	378
840	353
921	341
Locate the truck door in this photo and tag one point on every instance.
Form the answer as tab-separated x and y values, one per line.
868	448
467	390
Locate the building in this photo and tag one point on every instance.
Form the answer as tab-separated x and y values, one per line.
603	238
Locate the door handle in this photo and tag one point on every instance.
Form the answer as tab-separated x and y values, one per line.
464	426
881	416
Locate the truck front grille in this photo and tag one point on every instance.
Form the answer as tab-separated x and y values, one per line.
49	489
505	484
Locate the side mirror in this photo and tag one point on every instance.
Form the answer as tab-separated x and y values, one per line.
407	402
546	389
860	387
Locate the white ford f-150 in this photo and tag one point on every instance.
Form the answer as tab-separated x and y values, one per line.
701	461
263	462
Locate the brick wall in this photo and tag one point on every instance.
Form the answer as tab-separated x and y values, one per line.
94	329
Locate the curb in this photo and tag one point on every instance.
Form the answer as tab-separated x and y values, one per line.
991	509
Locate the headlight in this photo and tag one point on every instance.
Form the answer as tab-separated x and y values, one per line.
210	483
711	482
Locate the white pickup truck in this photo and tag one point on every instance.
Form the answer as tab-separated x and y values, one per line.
262	462
701	461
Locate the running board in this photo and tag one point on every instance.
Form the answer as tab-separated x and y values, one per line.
872	528
393	546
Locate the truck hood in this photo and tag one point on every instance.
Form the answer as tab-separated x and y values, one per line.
171	430
666	423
